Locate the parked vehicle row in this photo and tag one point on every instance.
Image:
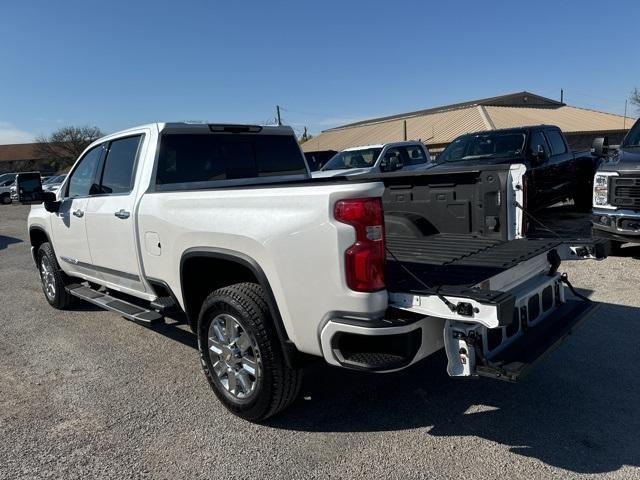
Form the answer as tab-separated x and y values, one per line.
388	157
274	268
8	192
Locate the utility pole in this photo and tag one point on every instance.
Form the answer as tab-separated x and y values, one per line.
404	127
562	95
278	115
624	124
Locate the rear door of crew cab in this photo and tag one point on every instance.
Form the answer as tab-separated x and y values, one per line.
110	213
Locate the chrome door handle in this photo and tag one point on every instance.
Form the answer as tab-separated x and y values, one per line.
123	214
78	213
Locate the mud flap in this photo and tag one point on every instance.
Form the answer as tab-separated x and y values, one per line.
463	344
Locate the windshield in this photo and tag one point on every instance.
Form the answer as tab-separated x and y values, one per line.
633	137
484	146
7	176
364	158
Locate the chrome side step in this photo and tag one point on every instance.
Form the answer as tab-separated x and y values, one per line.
128	310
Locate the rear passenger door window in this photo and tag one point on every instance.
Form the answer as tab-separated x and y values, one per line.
414	155
117	173
556	141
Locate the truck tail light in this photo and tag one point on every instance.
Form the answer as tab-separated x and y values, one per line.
364	260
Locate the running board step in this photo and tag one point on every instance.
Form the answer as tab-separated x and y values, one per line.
163	304
128	310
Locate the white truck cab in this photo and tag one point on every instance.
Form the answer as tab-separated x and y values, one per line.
388	157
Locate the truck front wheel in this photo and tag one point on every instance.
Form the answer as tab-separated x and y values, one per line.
241	354
53	279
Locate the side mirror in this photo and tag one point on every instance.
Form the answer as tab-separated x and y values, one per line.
29	188
541	154
600	147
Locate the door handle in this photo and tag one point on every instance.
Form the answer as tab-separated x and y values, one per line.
123	214
78	213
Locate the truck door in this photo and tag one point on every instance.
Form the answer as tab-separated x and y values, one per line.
110	215
541	179
562	164
414	157
68	225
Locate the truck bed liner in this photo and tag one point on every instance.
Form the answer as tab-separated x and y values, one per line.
453	260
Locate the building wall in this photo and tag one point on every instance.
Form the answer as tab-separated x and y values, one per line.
9	166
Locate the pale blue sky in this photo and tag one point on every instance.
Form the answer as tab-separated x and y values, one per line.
117	64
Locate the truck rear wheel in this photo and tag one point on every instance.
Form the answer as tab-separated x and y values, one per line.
53	279
241	354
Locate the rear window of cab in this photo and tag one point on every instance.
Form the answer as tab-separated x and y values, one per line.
195	158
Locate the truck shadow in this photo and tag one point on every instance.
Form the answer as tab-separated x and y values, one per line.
6	241
578	410
629	251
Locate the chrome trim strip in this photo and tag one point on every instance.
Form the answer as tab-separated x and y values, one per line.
110	271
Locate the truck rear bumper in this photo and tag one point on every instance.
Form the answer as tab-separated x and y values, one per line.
386	345
541	319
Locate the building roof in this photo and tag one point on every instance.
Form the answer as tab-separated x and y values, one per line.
439	126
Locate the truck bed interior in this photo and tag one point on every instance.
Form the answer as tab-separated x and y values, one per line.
451	229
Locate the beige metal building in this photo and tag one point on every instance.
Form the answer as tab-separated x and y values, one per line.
437	127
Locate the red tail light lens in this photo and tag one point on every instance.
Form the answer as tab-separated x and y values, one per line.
364	260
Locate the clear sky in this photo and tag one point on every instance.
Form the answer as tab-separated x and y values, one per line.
117	64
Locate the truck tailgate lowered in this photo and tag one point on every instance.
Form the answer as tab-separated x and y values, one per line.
513	362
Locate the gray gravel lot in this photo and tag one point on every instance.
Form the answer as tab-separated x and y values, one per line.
87	394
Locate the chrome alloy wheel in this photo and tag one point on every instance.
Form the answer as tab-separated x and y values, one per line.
234	356
48	280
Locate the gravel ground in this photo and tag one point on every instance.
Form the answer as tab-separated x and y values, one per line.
87	394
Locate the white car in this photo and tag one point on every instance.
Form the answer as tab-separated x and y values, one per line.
6	181
388	157
274	269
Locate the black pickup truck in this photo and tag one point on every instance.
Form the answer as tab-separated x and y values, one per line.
616	194
554	172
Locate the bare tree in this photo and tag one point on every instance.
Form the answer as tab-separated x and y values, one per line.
635	98
65	145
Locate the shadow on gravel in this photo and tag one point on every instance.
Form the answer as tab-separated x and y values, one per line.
628	251
564	220
6	241
578	412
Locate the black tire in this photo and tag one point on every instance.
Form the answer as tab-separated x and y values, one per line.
616	247
59	299
583	200
5	199
277	385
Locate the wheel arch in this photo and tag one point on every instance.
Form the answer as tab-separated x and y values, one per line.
235	267
38	236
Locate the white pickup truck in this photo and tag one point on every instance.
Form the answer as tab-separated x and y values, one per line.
273	268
